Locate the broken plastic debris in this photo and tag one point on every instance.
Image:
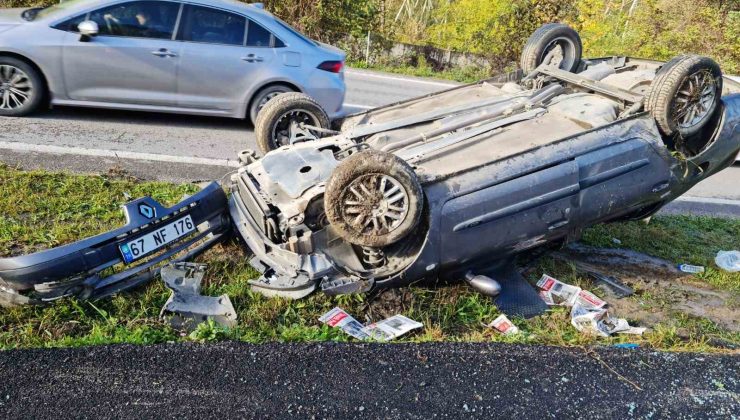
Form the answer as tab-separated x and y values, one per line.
391	328
616	241
691	269
385	330
187	306
504	325
338	318
728	261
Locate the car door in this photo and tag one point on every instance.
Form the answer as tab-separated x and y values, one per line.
133	60
224	55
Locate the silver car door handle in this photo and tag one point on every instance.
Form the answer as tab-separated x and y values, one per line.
164	53
251	58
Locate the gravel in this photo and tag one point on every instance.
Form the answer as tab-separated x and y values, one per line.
435	380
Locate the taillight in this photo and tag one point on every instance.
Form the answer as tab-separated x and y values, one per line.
332	66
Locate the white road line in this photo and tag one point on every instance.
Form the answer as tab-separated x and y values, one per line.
709	200
62	150
361	106
400	79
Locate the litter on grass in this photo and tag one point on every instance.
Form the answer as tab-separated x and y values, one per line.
728	261
385	330
691	269
503	325
589	313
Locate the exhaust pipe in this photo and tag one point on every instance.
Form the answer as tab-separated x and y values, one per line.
483	284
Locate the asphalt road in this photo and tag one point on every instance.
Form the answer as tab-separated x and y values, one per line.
403	381
186	148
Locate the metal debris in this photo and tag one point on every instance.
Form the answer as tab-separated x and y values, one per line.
187	306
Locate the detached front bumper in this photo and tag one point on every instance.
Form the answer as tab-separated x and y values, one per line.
94	267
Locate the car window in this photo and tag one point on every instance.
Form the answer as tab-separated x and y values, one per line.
257	36
203	24
70	25
139	19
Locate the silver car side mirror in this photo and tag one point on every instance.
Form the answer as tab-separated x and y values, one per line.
88	30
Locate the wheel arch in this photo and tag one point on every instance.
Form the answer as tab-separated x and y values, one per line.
30	62
266	85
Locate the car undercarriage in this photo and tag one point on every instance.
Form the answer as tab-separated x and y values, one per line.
448	186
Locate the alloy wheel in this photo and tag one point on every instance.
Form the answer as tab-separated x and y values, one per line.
16	88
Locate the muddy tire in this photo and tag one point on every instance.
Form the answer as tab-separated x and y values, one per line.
545	39
272	127
373	199
263	97
685	95
22	88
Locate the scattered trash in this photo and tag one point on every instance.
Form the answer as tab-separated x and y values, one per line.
588	311
728	261
187	306
504	325
616	241
611	285
391	328
385	330
599	322
630	346
338	318
691	269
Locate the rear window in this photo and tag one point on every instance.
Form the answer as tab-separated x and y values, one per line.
203	24
294	31
257	36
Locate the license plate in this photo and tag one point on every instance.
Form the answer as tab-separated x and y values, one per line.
157	239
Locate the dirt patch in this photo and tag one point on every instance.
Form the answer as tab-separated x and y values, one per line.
661	290
388	303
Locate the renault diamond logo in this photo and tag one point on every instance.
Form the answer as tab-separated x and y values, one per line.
147	211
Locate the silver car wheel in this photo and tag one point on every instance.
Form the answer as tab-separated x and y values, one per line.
375	204
281	132
16	88
694	99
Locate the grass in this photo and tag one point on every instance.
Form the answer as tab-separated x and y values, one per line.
39	210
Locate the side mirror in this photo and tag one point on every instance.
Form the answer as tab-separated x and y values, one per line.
88	30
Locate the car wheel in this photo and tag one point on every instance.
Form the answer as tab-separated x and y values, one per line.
373	199
263	97
21	88
561	39
684	95
280	116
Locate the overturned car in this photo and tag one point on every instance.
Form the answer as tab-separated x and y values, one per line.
442	186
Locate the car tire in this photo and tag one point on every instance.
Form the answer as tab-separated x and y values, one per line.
275	118
547	37
263	97
373	199
22	88
685	95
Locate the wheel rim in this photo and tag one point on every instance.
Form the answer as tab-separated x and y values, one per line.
375	204
564	49
281	132
15	87
694	99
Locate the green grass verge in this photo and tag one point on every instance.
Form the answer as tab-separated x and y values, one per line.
39	210
458	74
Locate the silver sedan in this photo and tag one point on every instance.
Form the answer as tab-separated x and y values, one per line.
205	57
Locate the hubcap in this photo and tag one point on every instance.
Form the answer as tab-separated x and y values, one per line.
694	99
15	87
375	204
288	122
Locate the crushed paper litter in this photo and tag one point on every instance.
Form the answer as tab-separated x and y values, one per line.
503	325
385	330
588	312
